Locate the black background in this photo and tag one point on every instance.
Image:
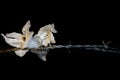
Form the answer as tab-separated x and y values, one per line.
78	22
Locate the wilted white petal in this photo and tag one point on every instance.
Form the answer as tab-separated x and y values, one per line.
45	36
52	39
11	41
13	35
26	27
21	53
33	43
41	53
51	27
43	57
45	42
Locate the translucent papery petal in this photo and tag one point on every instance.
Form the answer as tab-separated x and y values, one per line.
53	28
47	38
45	42
33	43
41	53
14	35
45	35
43	29
52	39
26	27
21	53
11	41
49	27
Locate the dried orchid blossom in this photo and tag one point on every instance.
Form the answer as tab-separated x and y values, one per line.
26	40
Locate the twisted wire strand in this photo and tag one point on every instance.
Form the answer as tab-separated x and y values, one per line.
102	48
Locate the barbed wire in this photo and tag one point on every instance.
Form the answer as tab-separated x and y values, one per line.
103	48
